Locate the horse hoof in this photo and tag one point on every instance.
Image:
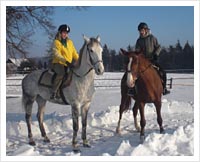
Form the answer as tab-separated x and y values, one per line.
142	138
76	150
46	140
87	145
118	131
32	143
162	131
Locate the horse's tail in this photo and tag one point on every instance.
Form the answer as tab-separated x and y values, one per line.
126	99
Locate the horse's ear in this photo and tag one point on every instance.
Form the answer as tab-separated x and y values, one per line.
123	52
86	39
98	38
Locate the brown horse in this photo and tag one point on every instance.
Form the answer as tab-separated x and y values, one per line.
148	89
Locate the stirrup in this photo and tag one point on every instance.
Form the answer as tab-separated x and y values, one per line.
53	96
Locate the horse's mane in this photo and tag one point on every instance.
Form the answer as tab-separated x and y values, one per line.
81	54
92	40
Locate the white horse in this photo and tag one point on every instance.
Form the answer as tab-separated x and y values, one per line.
78	94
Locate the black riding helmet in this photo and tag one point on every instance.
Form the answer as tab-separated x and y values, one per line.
142	25
64	27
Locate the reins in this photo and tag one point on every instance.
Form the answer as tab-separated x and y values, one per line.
91	65
138	73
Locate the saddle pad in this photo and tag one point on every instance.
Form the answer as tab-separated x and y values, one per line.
46	78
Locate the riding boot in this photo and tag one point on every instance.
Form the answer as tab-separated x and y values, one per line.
165	91
56	86
163	77
53	96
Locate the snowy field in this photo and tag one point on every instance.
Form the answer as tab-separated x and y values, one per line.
177	112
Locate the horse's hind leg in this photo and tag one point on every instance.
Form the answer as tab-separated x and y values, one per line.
40	116
27	102
125	102
159	117
75	117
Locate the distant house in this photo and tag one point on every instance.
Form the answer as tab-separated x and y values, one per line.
26	64
12	64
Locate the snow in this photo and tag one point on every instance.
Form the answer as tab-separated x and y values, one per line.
178	121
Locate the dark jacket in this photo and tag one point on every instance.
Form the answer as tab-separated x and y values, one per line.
149	45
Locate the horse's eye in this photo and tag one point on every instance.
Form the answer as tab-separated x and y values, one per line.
91	50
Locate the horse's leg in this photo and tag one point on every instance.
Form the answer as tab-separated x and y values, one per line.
75	119
142	120
27	101
125	101
135	112
118	129
40	116
159	117
84	112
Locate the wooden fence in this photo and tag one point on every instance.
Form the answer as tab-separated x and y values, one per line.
169	82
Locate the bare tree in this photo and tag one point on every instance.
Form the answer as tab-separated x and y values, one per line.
21	22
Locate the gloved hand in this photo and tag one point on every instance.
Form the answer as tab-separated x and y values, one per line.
69	64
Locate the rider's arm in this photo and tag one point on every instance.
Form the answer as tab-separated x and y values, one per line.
75	55
156	46
57	51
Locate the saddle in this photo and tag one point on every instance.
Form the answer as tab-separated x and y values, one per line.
47	79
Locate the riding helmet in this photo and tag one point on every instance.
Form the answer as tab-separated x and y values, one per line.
142	25
64	27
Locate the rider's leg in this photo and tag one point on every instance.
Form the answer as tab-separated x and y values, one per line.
60	72
163	76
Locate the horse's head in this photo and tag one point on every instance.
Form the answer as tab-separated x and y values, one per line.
132	68
95	54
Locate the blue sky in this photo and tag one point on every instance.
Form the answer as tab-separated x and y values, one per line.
117	25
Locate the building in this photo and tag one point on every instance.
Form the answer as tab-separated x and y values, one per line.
24	65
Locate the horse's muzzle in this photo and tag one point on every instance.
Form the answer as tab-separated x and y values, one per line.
99	68
131	81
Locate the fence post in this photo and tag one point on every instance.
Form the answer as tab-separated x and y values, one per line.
170	86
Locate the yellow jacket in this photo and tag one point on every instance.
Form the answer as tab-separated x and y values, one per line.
61	54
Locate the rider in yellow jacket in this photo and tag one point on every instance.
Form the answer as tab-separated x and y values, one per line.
64	53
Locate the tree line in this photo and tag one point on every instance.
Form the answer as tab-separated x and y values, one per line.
21	22
172	57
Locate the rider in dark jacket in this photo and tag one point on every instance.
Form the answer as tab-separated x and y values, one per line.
151	49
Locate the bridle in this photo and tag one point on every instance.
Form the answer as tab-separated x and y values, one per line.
139	72
91	64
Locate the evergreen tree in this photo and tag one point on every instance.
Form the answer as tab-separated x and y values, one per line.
105	57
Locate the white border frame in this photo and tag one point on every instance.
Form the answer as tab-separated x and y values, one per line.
194	3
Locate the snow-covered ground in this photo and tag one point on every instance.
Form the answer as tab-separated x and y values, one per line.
177	112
